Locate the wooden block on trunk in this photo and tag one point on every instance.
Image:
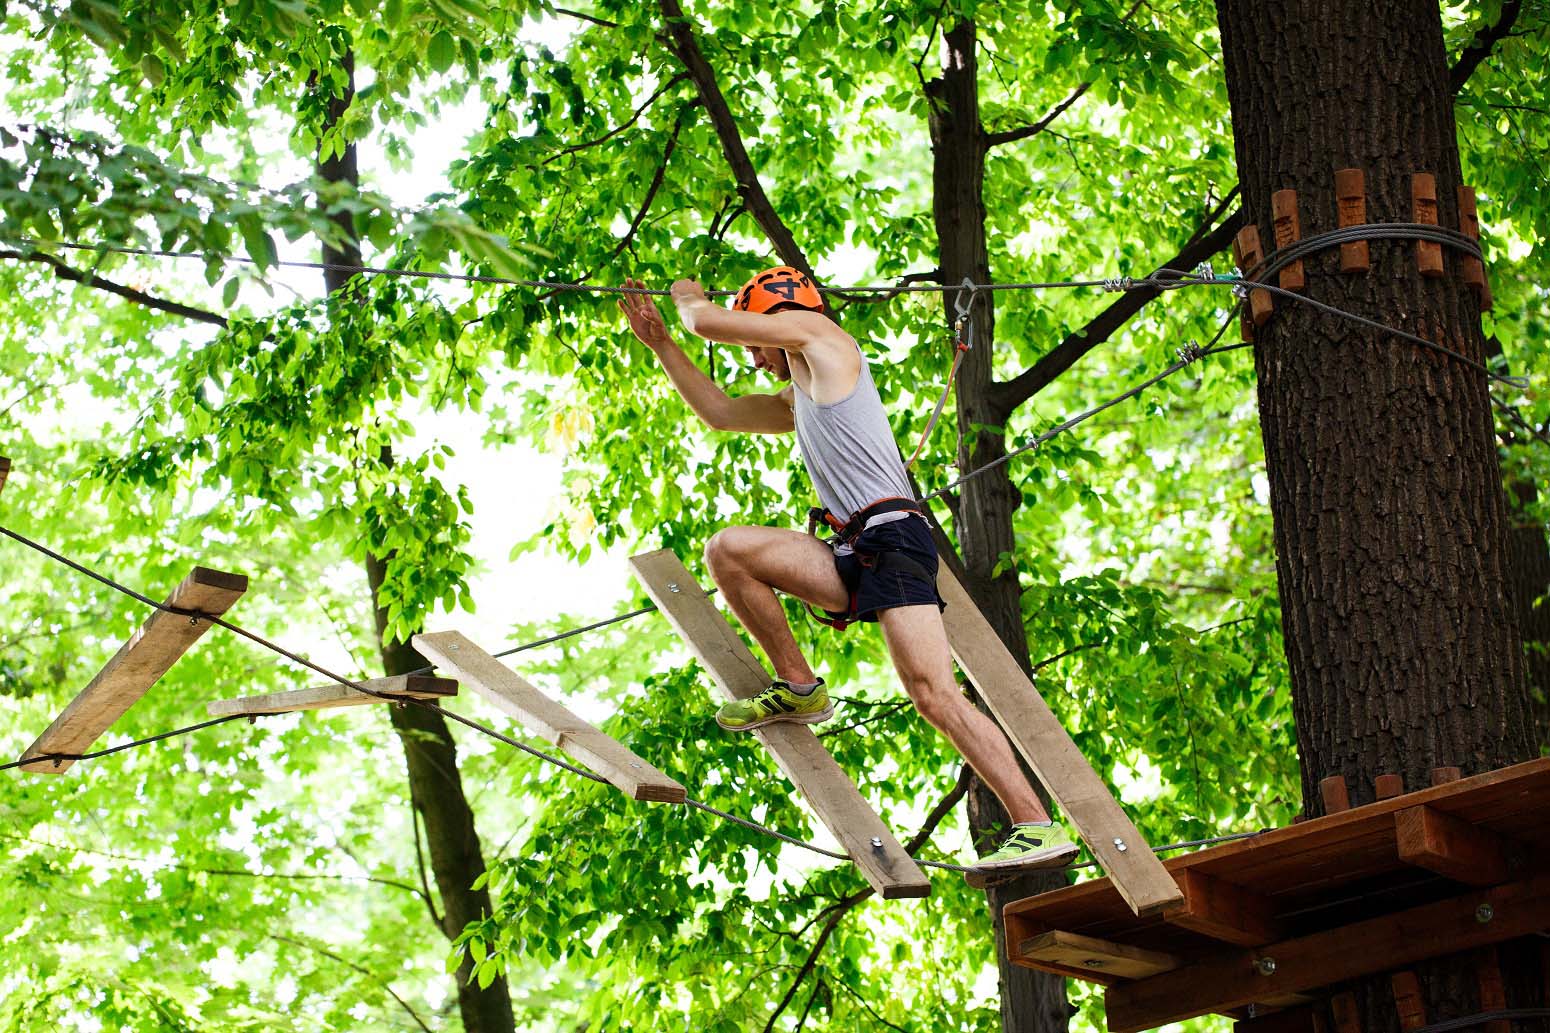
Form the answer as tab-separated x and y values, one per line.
1469	225
1450	847
1423	204
1351	201
1442	776
1248	255
1408	1002
1038	735
322	697
514	696
828	790
1493	994
5	471
138	665
1288	230
1346	1015
1333	792
1386	787
1098	957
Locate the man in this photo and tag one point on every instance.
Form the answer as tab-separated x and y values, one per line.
880	567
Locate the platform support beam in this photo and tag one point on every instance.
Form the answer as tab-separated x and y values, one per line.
514	696
1097	960
1450	847
1218	909
1039	736
827	789
323	697
138	665
1237	978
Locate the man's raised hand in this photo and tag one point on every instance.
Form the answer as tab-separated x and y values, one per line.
645	320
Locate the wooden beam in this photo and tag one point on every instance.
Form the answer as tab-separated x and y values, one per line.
827	789
138	665
1323	959
1450	846
323	697
1037	733
1216	908
1094	957
514	696
5	471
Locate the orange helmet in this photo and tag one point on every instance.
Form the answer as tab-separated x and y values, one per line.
781	285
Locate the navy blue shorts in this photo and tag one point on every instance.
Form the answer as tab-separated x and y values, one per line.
878	582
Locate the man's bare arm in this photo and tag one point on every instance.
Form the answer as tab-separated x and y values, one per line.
757	414
792	331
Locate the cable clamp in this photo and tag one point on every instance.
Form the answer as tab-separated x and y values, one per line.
1191	352
1205	271
1119	284
1239	291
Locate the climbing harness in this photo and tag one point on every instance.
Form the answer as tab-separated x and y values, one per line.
847	532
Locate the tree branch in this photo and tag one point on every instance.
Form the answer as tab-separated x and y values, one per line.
1480	47
941	810
579	16
1023	132
1202	244
362	970
65	272
837	912
674	81
686	48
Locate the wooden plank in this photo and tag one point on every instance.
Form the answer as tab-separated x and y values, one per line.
1223	911
138	665
323	697
827	789
1085	954
1033	728
516	697
1450	847
1237	978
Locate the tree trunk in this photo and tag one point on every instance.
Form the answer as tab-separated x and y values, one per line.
435	784
1031	1002
1390	523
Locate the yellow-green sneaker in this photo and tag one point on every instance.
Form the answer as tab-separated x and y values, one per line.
776	703
1032	846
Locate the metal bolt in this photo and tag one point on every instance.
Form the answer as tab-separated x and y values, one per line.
1092	963
1484	913
193	620
672	586
877	842
1120	843
1265	966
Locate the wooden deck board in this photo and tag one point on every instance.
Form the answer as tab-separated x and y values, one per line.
1044	743
514	696
797	751
324	697
138	665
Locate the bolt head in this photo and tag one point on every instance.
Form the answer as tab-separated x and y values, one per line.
1265	966
1484	913
1120	843
877	841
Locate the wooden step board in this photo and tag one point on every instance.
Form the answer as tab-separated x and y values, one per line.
323	697
827	789
135	668
514	696
1039	736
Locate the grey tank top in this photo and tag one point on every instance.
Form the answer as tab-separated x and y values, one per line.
848	448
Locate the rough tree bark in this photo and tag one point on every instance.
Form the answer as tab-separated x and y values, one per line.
1386	496
1030	1001
435	783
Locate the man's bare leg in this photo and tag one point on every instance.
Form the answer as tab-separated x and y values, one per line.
750	563
917	641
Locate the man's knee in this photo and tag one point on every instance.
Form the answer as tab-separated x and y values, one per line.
723	551
936	702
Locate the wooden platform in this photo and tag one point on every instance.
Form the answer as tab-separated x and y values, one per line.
1266	920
